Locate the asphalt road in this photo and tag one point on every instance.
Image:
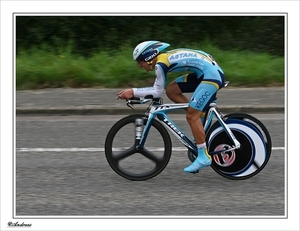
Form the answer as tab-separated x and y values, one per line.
61	170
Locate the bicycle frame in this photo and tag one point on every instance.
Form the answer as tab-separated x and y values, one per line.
160	111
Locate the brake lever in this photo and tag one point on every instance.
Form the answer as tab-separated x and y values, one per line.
130	105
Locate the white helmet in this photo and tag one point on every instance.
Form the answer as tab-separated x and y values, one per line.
148	50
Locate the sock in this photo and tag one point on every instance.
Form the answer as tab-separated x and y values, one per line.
206	155
201	145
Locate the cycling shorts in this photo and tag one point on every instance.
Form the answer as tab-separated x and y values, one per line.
205	90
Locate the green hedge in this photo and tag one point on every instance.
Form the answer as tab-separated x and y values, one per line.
91	34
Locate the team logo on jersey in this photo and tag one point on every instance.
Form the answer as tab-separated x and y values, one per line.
183	55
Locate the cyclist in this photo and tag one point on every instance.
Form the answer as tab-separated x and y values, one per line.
203	77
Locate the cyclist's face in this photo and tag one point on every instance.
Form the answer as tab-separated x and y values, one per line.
145	65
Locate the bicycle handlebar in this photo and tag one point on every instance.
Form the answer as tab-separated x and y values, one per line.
141	100
135	100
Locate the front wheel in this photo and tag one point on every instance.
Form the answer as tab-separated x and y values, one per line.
137	164
241	163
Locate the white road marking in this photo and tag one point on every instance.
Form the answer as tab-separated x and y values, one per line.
175	149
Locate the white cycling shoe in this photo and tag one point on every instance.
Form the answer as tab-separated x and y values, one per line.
203	160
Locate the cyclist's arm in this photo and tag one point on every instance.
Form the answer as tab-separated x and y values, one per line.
157	89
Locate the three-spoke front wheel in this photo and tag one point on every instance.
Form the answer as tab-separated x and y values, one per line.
130	162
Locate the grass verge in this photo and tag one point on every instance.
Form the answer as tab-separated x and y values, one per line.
45	68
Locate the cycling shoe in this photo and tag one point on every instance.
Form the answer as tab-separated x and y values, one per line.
203	160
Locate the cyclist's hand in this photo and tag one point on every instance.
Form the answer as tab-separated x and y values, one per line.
126	94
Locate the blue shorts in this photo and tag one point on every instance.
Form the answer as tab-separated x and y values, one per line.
205	89
204	94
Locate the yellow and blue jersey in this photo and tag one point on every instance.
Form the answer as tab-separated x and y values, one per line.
197	65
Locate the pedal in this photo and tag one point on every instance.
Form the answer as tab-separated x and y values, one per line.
195	172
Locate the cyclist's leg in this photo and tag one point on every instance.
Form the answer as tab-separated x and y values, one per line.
174	93
182	84
200	100
192	117
202	97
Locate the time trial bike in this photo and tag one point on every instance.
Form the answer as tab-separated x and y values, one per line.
138	147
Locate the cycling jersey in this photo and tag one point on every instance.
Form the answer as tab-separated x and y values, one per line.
203	75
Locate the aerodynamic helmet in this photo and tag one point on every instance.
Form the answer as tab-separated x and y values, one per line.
148	50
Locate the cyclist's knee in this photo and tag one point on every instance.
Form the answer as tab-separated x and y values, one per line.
172	89
174	93
168	91
193	115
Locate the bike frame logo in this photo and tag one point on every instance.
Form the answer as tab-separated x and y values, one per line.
224	159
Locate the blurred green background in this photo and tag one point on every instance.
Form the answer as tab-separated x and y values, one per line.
96	51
